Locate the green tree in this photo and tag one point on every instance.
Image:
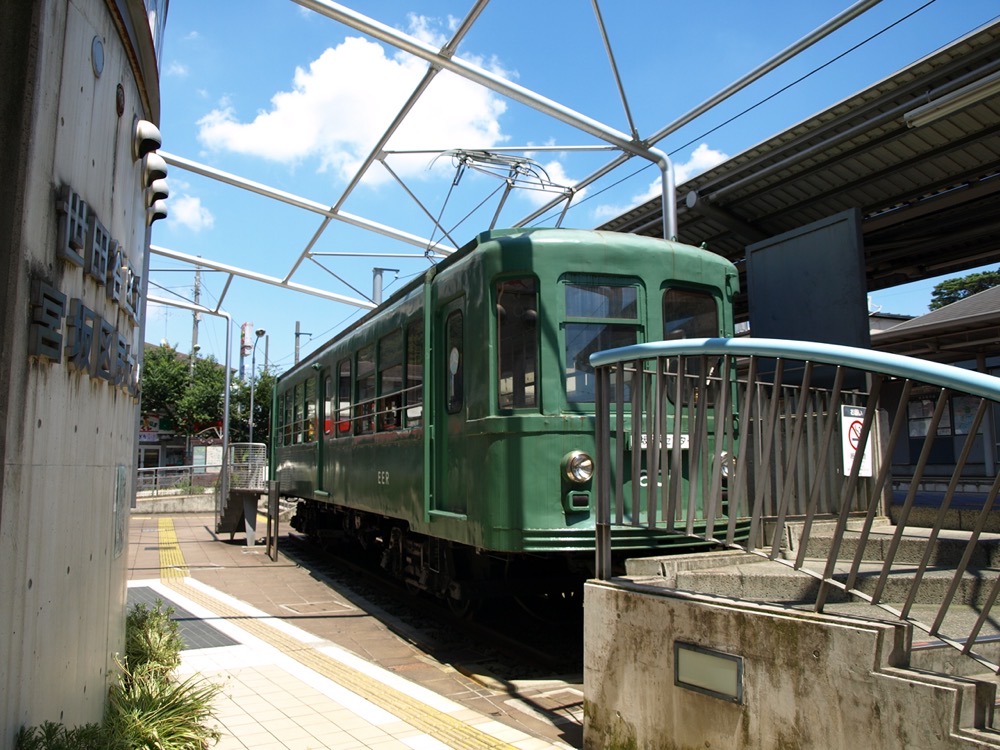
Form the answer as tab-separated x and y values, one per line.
953	290
201	405
164	380
192	398
239	408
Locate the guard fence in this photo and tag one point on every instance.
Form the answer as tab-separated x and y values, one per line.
758	445
177	480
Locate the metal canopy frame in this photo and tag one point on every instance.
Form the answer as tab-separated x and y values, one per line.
628	146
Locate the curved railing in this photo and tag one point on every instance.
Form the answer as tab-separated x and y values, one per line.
783	443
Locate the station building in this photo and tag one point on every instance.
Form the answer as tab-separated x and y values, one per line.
82	184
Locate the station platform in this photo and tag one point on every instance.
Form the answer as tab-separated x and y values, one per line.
303	667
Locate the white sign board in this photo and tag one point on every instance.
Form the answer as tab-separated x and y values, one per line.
851	420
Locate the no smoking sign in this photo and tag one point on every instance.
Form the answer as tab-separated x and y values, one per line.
851	421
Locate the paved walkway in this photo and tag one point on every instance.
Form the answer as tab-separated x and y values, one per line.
282	685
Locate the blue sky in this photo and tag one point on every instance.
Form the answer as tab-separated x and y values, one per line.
284	96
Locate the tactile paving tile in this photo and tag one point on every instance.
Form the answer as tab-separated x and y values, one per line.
194	632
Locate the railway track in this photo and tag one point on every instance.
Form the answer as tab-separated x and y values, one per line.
509	640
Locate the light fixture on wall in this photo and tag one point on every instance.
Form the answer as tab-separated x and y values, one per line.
708	671
954	101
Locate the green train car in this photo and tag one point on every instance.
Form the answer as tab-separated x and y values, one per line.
450	432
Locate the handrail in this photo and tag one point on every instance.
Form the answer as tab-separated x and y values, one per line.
956	378
780	440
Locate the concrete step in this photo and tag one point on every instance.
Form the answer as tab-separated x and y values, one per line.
758	579
949	547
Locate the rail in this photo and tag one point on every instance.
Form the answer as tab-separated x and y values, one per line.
780	440
176	480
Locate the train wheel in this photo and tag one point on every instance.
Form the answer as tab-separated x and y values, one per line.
462	608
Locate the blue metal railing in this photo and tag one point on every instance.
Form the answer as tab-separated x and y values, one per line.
779	439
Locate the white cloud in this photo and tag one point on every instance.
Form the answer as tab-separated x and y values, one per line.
344	100
559	179
178	70
186	211
702	159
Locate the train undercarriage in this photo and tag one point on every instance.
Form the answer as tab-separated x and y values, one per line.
460	575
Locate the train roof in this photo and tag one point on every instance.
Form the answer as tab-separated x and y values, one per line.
518	236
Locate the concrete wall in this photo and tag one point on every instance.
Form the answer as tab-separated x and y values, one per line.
809	681
68	402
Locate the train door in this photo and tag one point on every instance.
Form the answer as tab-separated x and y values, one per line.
451	467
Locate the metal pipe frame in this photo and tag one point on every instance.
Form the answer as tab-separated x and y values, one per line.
224	482
444	59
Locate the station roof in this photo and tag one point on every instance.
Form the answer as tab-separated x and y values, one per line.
957	332
928	188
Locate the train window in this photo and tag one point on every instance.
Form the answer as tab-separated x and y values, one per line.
309	425
454	351
414	373
689	314
390	380
365	402
601	301
599	315
517	343
289	418
327	405
297	430
344	398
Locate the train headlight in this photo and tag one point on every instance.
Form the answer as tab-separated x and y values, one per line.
578	467
727	465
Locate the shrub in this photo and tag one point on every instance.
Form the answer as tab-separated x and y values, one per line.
152	639
147	707
52	736
147	710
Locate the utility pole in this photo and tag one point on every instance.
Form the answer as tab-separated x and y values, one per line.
197	316
297	334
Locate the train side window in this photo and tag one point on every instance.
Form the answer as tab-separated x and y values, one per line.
454	351
309	425
517	343
414	373
289	417
344	398
279	419
299	413
390	380
364	411
600	314
327	405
